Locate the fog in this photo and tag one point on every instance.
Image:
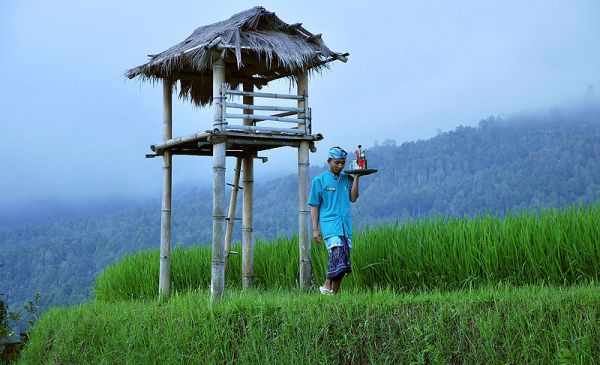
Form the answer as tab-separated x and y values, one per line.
74	129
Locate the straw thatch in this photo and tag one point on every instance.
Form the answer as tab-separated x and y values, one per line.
256	45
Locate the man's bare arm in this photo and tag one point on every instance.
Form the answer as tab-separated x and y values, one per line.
314	215
354	191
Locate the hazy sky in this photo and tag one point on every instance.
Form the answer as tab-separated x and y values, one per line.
73	127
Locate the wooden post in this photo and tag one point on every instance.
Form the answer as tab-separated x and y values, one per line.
217	284
231	215
165	216
303	184
248	204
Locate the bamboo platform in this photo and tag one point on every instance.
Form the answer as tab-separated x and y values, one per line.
238	141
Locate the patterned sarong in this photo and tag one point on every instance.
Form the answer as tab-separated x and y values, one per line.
339	260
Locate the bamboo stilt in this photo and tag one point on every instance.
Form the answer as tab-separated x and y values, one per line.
232	204
303	184
217	285
165	216
247	221
248	204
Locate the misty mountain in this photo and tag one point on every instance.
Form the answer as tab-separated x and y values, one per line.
54	210
526	161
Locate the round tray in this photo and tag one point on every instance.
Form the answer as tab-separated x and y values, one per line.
361	171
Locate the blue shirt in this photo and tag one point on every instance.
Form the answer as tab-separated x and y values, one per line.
332	196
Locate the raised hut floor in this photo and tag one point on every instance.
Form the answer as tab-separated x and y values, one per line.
201	144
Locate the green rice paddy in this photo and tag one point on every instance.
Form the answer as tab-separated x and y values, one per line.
498	325
521	289
558	247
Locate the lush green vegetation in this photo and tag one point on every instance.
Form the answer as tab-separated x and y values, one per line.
502	325
11	341
516	289
552	247
4	327
520	162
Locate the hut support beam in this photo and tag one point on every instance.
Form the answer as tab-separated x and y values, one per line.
303	183
165	216
248	204
232	204
217	283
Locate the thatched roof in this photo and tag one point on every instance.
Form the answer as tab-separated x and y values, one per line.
256	45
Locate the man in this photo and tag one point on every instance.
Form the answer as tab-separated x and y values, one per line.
330	195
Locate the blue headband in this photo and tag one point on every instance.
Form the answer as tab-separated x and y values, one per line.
337	153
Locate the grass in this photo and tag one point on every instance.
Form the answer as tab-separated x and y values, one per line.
516	290
496	325
557	246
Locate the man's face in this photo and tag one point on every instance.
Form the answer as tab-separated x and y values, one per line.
335	165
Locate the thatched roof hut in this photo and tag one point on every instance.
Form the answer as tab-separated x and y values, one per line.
256	45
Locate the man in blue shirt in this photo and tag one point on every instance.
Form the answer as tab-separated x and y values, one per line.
330	195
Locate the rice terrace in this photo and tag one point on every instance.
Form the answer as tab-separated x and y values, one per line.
520	289
482	286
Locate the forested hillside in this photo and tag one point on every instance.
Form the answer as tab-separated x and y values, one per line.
518	162
503	164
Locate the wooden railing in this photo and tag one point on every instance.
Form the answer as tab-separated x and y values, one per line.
302	113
